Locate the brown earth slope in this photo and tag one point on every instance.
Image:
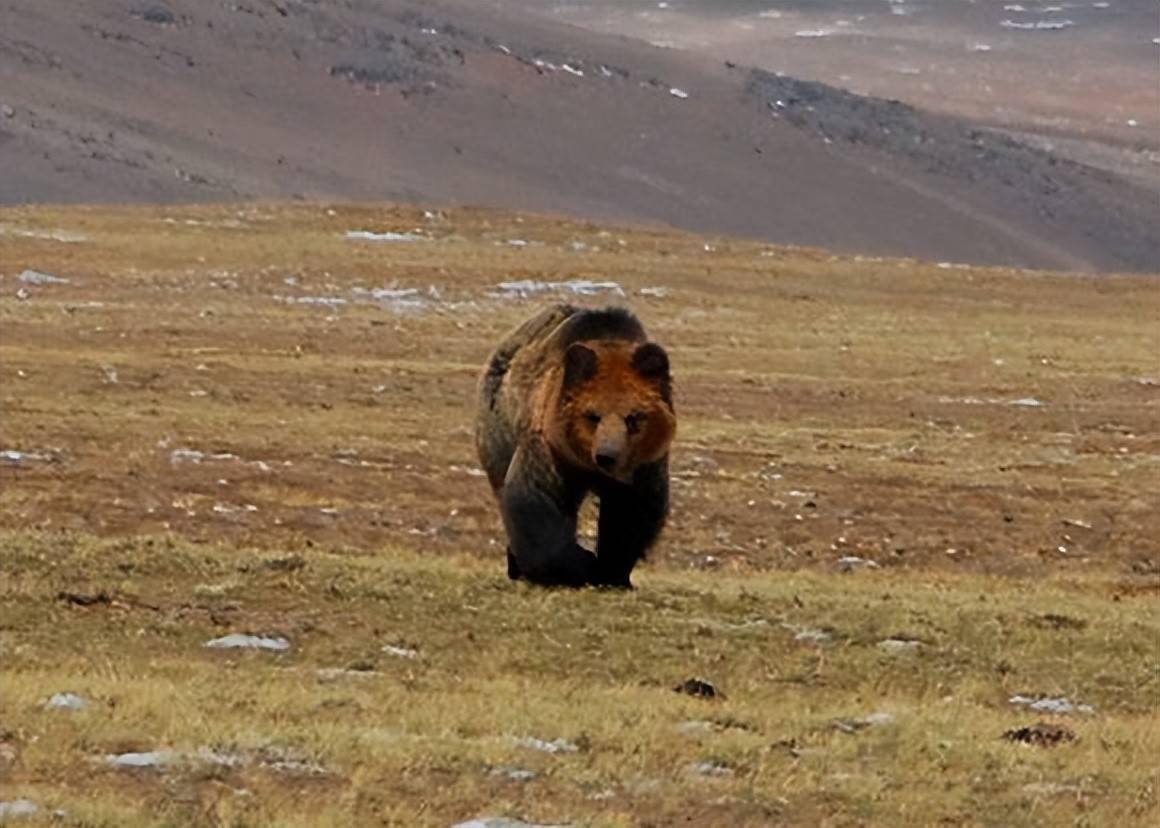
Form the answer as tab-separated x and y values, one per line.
122	101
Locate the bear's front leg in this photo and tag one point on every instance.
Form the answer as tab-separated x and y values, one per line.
539	515
631	518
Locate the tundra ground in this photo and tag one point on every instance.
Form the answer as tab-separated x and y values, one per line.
904	494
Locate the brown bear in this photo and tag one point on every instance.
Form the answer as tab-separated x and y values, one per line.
573	402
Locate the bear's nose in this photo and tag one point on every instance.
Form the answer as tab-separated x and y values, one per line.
605	460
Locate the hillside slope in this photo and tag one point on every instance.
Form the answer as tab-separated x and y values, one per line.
111	100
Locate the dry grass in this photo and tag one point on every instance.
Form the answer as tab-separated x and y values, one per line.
418	741
829	407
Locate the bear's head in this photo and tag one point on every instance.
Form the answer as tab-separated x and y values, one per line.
615	409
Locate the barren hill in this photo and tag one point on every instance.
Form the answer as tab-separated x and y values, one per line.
107	100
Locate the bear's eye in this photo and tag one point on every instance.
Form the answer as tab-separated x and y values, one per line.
592	418
634	421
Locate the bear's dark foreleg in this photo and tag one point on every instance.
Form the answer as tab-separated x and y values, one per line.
541	527
631	518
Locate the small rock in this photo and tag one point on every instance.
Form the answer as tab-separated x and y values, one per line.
1040	735
699	688
67	701
1050	705
897	645
16	808
554	746
871	720
711	769
254	642
849	563
515	774
149	759
814	635
7	111
695	727
35	277
158	15
400	652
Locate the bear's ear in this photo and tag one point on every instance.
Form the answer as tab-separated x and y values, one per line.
651	362
580	364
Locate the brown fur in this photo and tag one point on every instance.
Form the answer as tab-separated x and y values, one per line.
572	402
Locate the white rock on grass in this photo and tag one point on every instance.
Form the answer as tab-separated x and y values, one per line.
17	808
236	641
67	701
1050	705
554	746
35	277
514	774
400	652
389	236
580	287
711	769
147	759
896	646
849	563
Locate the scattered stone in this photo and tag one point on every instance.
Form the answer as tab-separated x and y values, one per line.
698	687
514	774
252	642
36	277
850	563
80	599
580	287
813	634
67	701
655	292
711	769
1038	25
554	746
158	15
871	720
897	646
148	759
389	236
16	808
1042	734
679	93
1050	705
7	111
13	456
400	652
696	727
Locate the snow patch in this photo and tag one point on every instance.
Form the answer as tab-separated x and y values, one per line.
1038	25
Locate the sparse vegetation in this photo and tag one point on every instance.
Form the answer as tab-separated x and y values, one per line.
215	426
